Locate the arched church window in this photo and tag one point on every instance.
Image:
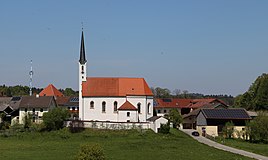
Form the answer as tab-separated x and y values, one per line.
91	105
139	107
103	106
148	108
115	106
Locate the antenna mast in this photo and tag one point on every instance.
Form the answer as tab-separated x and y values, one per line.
31	78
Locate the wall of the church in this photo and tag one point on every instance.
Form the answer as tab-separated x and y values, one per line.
97	113
127	116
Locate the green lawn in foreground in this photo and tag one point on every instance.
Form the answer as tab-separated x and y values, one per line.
121	145
258	148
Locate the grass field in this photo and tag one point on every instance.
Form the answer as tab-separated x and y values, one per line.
121	145
258	148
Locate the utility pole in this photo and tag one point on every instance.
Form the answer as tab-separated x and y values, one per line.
31	78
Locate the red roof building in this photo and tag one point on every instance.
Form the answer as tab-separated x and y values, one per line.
199	103
172	102
115	87
185	106
50	90
112	99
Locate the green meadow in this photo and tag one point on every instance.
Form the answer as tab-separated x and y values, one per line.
117	145
258	148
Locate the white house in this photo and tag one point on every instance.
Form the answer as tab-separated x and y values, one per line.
112	99
156	122
35	106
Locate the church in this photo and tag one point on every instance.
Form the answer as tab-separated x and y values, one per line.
112	99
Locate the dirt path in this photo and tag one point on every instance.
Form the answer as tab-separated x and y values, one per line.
223	147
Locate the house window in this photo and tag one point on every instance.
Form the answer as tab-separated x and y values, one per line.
165	111
159	111
41	110
148	108
115	106
128	114
73	108
25	109
139	107
128	120
33	109
91	105
103	107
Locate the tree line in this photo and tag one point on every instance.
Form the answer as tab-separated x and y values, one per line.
177	93
256	98
18	90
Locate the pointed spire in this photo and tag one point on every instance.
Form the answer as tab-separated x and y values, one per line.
82	51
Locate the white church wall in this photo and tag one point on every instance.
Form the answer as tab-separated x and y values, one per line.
96	113
127	116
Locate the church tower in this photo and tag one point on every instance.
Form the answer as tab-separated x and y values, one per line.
82	76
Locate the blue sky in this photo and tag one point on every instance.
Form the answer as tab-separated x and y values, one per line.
208	46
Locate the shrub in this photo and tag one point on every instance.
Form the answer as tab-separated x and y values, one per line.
17	127
174	117
4	125
37	127
164	128
259	128
228	129
91	152
64	133
54	119
27	120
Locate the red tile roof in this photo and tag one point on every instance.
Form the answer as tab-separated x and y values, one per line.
198	103
62	100
127	106
115	87
186	103
172	102
50	90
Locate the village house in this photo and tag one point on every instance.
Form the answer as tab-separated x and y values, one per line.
211	121
51	90
67	102
163	106
15	108
5	108
71	103
189	120
35	106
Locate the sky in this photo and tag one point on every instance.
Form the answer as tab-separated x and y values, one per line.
208	46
